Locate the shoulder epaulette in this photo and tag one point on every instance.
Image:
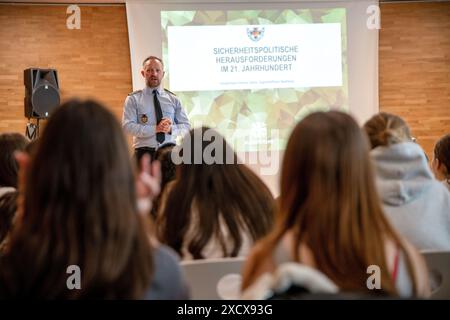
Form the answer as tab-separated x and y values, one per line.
169	91
134	92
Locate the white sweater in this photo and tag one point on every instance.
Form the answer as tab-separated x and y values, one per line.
213	249
4	190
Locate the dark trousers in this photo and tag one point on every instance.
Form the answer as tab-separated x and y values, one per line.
139	152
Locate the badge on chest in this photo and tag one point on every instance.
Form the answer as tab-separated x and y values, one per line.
144	118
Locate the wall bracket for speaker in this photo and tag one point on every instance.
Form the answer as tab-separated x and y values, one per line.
32	130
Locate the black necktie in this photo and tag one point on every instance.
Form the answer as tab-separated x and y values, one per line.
158	112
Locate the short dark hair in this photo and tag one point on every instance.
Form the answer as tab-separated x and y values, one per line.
152	58
168	172
442	152
9	143
8	208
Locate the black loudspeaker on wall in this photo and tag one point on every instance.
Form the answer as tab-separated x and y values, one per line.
41	92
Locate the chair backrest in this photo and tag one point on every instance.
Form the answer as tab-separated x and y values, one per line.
214	279
438	263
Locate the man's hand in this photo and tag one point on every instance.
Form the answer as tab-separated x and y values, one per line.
165	125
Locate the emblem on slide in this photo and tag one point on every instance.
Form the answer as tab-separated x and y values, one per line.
255	33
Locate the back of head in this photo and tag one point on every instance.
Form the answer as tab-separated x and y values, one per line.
442	153
212	184
326	156
206	155
329	201
81	158
80	209
10	143
385	129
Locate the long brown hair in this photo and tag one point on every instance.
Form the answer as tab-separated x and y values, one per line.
228	191
79	209
329	202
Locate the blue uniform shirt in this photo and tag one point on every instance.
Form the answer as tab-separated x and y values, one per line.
139	118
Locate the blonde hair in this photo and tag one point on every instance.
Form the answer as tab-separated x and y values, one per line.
385	129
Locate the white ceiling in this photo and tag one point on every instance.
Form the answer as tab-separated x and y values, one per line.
64	1
181	1
178	1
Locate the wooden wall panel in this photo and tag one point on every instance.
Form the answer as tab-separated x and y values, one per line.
414	60
91	62
414	67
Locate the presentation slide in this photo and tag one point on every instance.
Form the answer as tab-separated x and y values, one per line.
255	57
252	74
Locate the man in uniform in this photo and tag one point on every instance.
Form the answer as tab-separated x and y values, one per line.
153	116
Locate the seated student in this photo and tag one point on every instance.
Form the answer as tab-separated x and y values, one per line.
441	160
10	143
415	202
8	208
80	208
215	208
330	218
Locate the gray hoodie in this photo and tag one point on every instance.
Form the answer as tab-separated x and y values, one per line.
416	203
